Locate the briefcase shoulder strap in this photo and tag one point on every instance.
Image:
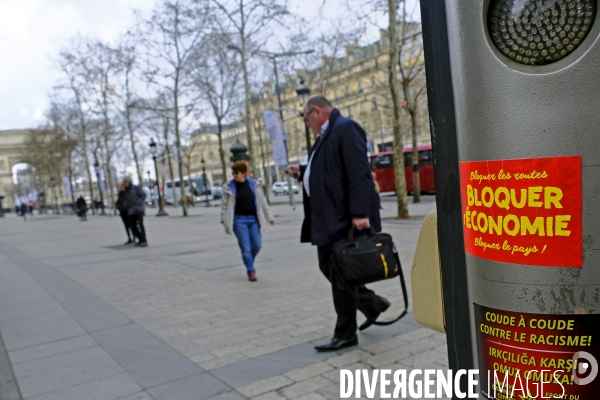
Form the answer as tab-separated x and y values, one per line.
334	265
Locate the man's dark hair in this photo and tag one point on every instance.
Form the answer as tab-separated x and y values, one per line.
318	101
239	166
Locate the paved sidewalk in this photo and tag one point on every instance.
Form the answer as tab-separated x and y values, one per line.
84	317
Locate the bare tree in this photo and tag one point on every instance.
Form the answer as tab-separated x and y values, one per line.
411	66
129	102
101	69
329	52
69	62
174	30
401	195
217	75
46	150
250	23
262	143
62	117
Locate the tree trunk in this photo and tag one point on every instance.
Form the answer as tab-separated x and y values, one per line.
89	174
415	158
132	141
130	127
264	167
401	196
71	177
221	150
109	178
179	153
190	184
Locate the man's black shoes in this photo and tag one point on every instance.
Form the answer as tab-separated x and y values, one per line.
337	344
383	306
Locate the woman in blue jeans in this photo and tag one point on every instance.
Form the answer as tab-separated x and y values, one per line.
244	210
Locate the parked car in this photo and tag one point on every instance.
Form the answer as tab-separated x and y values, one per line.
217	192
282	188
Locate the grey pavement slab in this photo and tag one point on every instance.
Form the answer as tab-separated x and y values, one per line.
45	326
279	362
64	370
153	366
52	348
113	387
232	395
8	384
137	396
195	387
130	336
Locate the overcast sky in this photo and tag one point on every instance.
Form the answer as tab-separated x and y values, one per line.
31	34
33	31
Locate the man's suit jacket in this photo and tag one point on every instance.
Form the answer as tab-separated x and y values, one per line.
341	185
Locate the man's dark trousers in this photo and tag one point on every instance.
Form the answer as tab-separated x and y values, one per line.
137	226
345	306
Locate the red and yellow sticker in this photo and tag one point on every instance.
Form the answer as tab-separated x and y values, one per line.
525	211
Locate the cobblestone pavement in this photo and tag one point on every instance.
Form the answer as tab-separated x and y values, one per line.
84	317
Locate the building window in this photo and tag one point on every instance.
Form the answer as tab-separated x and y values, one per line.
347	90
374	108
349	111
360	86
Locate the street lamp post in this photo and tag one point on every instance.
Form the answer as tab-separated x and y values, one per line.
53	181
303	93
150	188
203	164
161	211
98	177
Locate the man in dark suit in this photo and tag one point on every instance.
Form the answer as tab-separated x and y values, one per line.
338	194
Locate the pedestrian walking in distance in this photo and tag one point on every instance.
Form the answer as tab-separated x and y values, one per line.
134	201
122	207
339	195
24	211
244	210
81	208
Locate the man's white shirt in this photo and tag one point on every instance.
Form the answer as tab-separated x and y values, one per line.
306	178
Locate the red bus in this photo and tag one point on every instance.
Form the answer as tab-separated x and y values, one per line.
383	166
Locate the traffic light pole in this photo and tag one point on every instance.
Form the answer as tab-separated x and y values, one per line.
445	149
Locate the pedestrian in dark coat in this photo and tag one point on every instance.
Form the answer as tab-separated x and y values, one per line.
81	208
122	207
24	211
339	193
134	200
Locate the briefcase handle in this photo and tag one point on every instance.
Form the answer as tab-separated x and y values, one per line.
351	232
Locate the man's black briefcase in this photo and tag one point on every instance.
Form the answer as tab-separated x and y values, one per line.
366	259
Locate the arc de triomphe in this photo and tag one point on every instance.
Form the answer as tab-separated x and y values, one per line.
12	145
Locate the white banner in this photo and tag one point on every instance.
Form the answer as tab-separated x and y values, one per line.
67	185
100	179
277	137
113	175
176	154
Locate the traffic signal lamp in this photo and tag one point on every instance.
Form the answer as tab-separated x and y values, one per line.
536	32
